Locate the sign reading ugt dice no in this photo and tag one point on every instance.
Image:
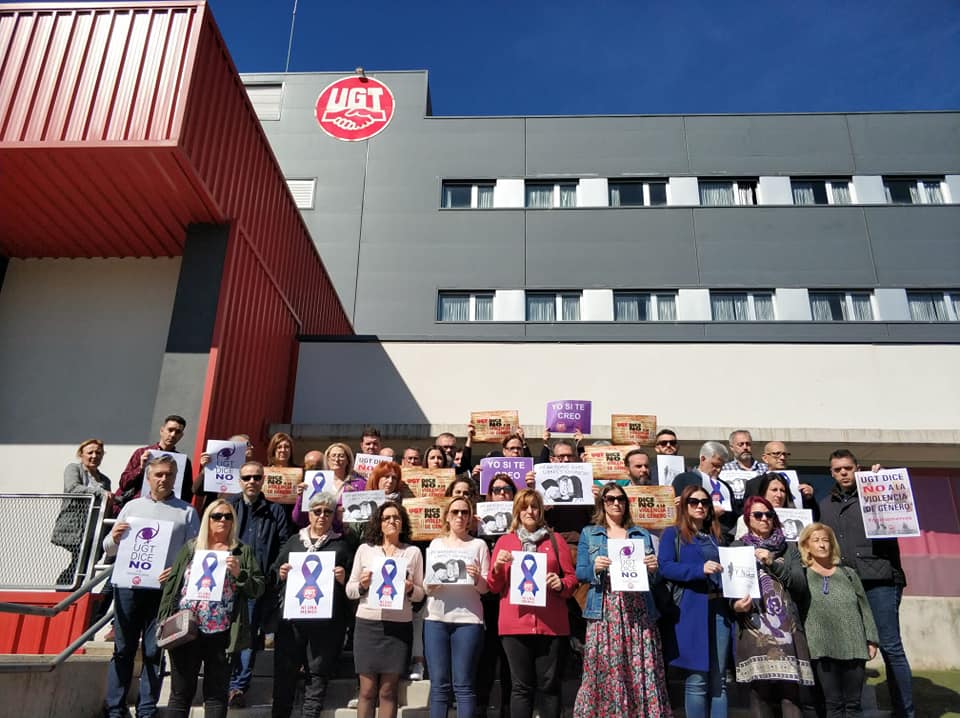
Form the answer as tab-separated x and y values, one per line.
355	108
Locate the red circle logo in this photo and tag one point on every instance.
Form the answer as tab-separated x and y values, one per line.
354	108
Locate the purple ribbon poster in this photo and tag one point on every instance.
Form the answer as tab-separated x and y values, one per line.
566	416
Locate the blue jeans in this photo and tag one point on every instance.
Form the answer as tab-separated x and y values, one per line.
136	616
452	652
699	685
885	605
244	660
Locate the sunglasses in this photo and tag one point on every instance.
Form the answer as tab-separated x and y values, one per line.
459	512
252	477
221	517
758	515
322	512
706	503
667	442
501	489
620	499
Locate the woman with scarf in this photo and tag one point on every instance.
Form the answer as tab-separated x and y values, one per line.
771	648
534	638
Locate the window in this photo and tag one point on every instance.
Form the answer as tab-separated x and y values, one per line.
934	306
634	193
644	307
728	193
467	195
835	191
548	306
547	195
266	99
465	307
302	191
841	306
910	190
742	306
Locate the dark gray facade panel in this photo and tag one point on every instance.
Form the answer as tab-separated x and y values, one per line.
925	332
786	332
605	146
609	248
768	145
763	247
198	289
924	143
617	331
916	246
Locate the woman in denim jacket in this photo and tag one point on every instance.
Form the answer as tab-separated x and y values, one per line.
623	673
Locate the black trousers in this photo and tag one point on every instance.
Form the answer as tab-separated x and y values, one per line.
493	660
316	645
210	650
770	699
536	663
842	686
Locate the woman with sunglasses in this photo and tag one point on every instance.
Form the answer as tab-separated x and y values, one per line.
383	637
623	673
771	649
775	489
222	625
690	558
453	625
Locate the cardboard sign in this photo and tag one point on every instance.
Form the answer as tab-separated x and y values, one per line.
494	426
633	429
793	521
565	484
142	553
607	461
516	469
887	505
568	416
652	507
627	569
221	475
280	483
427	483
181	461
207	574
316	482
528	578
495	517
364	464
740	577
426	517
387	584
448	567
358	506
668	468
309	590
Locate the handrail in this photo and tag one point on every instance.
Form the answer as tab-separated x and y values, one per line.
29	610
46	665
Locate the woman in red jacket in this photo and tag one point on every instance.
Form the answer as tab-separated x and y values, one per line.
534	638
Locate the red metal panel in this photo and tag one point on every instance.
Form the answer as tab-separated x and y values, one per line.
37	634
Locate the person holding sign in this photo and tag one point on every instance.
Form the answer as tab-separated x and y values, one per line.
771	648
713	455
775	489
623	673
534	638
314	643
383	637
222	621
453	625
337	458
131	480
690	558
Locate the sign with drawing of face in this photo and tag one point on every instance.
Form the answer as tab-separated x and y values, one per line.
565	484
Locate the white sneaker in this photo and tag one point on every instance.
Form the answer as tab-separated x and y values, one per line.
416	671
353	703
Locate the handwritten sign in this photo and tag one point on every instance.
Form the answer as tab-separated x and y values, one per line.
309	589
668	468
494	426
567	416
142	553
565	484
427	483
426	518
207	574
358	506
180	460
448	567
633	428
364	464
280	483
495	517
793	521
887	505
627	570
387	584
516	469
528	578
652	507
607	461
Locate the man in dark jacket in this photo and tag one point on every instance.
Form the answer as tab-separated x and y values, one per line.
713	455
263	526
877	562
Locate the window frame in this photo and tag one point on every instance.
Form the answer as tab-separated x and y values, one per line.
558	297
654	297
557	184
471	297
950	298
920	184
645	190
474	186
828	183
754	183
847	295
751	296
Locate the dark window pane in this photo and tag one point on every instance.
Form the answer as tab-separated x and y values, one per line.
658	194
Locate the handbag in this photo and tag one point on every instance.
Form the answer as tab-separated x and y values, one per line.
178	629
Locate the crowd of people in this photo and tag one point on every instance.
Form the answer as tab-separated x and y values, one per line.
829	597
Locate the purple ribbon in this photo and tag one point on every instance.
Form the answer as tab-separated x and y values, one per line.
388	572
717	493
528	564
209	565
319	481
311	589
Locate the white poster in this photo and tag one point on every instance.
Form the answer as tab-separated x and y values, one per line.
363	464
528	578
448	566
309	591
142	553
887	505
565	484
738	481
739	572
794	481
207	574
495	517
387	583
180	459
316	483
718	491
358	506
668	467
221	475
793	521
628	572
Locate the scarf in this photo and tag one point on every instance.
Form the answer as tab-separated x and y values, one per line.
312	544
529	541
775	543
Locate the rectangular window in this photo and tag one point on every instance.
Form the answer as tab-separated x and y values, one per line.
465	307
841	306
266	99
550	195
303	191
467	195
644	307
934	306
742	306
548	306
636	193
735	193
911	190
834	191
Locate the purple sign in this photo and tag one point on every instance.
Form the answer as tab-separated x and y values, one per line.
568	415
516	469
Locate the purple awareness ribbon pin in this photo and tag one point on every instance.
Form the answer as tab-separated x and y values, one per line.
209	566
310	589
528	564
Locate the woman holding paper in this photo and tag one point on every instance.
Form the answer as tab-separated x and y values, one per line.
690	558
623	673
534	637
384	630
453	625
338	458
775	489
221	623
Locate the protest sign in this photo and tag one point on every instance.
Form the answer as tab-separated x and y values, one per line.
358	506
565	484
309	589
737	480
528	578
221	475
633	429
739	572
793	481
364	464
516	469
207	574
387	583
652	507
494	426
316	483
426	517
887	505
448	567
181	461
568	416
142	553
627	569
280	483
668	467
793	521
607	461
495	517
427	483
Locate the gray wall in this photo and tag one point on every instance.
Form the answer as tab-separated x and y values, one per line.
389	247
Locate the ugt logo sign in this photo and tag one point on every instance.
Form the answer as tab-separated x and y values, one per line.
355	108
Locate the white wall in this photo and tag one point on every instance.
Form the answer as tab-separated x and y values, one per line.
774	190
683	191
592	192
869	189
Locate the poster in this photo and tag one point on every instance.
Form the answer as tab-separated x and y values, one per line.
721	495
633	429
448	567
568	416
737	480
316	483
668	468
426	517
494	426
364	464
739	572
181	460
794	481
309	589
387	583
280	483
528	578
627	569
495	517
207	574
142	553
516	469
565	484
607	461
793	521
221	475
652	507
358	506
887	505
427	483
